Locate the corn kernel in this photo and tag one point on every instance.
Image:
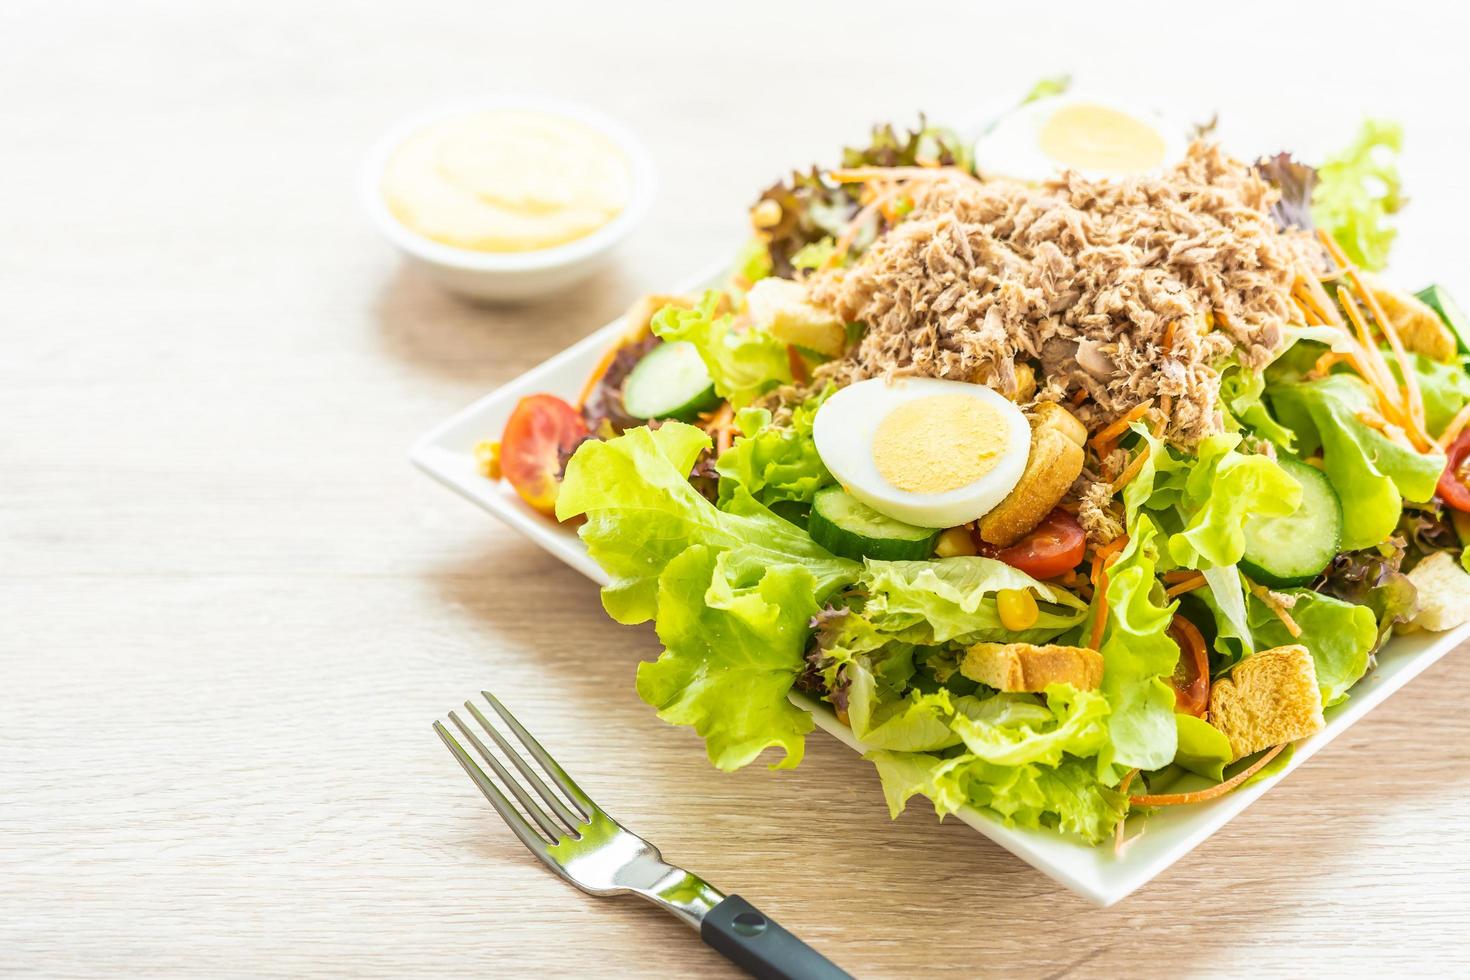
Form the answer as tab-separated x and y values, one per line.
955	542
1017	608
487	454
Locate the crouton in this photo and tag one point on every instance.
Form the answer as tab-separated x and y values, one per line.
1268	698
1025	376
1053	415
1444	593
1028	667
1053	465
1418	326
780	307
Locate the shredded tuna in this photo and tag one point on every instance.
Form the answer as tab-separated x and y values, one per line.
1096	514
1127	290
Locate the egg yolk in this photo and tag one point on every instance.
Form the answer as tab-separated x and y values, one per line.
939	443
1094	137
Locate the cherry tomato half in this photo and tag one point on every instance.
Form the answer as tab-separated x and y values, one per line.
1056	545
538	432
1191	680
1454	483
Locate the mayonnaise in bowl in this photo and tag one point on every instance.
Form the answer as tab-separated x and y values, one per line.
511	199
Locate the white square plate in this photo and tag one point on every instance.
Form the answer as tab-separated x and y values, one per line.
1097	873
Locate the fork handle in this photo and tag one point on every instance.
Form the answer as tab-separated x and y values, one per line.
754	942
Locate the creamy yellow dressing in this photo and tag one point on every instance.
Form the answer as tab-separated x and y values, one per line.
939	443
1096	138
507	180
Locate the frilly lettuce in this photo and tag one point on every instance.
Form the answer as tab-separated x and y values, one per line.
1371	473
731	654
1357	189
954	600
1137	654
1208	499
775	463
1022	759
641	513
742	363
731	591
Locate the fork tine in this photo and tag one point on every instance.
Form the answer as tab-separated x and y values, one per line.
552	800
527	804
497	799
557	773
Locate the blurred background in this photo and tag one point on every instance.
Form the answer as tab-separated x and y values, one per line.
229	610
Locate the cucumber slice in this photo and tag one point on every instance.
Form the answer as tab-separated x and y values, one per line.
850	528
1449	311
671	382
1286	551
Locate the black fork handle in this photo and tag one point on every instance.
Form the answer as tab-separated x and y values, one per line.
754	942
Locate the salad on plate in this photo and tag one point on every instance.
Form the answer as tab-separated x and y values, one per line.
1078	468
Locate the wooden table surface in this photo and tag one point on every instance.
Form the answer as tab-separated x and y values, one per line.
229	610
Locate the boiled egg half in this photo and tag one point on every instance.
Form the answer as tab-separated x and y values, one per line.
1099	139
924	451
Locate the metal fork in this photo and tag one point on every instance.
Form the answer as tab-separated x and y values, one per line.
574	838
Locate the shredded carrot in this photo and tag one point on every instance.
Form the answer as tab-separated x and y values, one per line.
1186	585
1118	840
799	373
1456	426
1210	793
603	363
1101	559
1134	467
1166	405
1168	342
1119	426
1326	362
1395	342
721	424
1304	305
1079	396
1264	594
1409	412
862	175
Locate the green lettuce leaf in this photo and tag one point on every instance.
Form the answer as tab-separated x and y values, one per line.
1357	189
1024	761
1371	473
1340	636
1137	655
1068	797
954	600
1241	392
731	654
1203	748
1219	493
744	364
731	592
642	513
775	463
1076	726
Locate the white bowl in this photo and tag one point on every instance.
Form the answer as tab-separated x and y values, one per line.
509	276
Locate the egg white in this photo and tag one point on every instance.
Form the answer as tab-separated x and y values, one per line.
1011	147
845	426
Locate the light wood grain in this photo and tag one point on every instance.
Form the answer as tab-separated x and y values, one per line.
229	611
